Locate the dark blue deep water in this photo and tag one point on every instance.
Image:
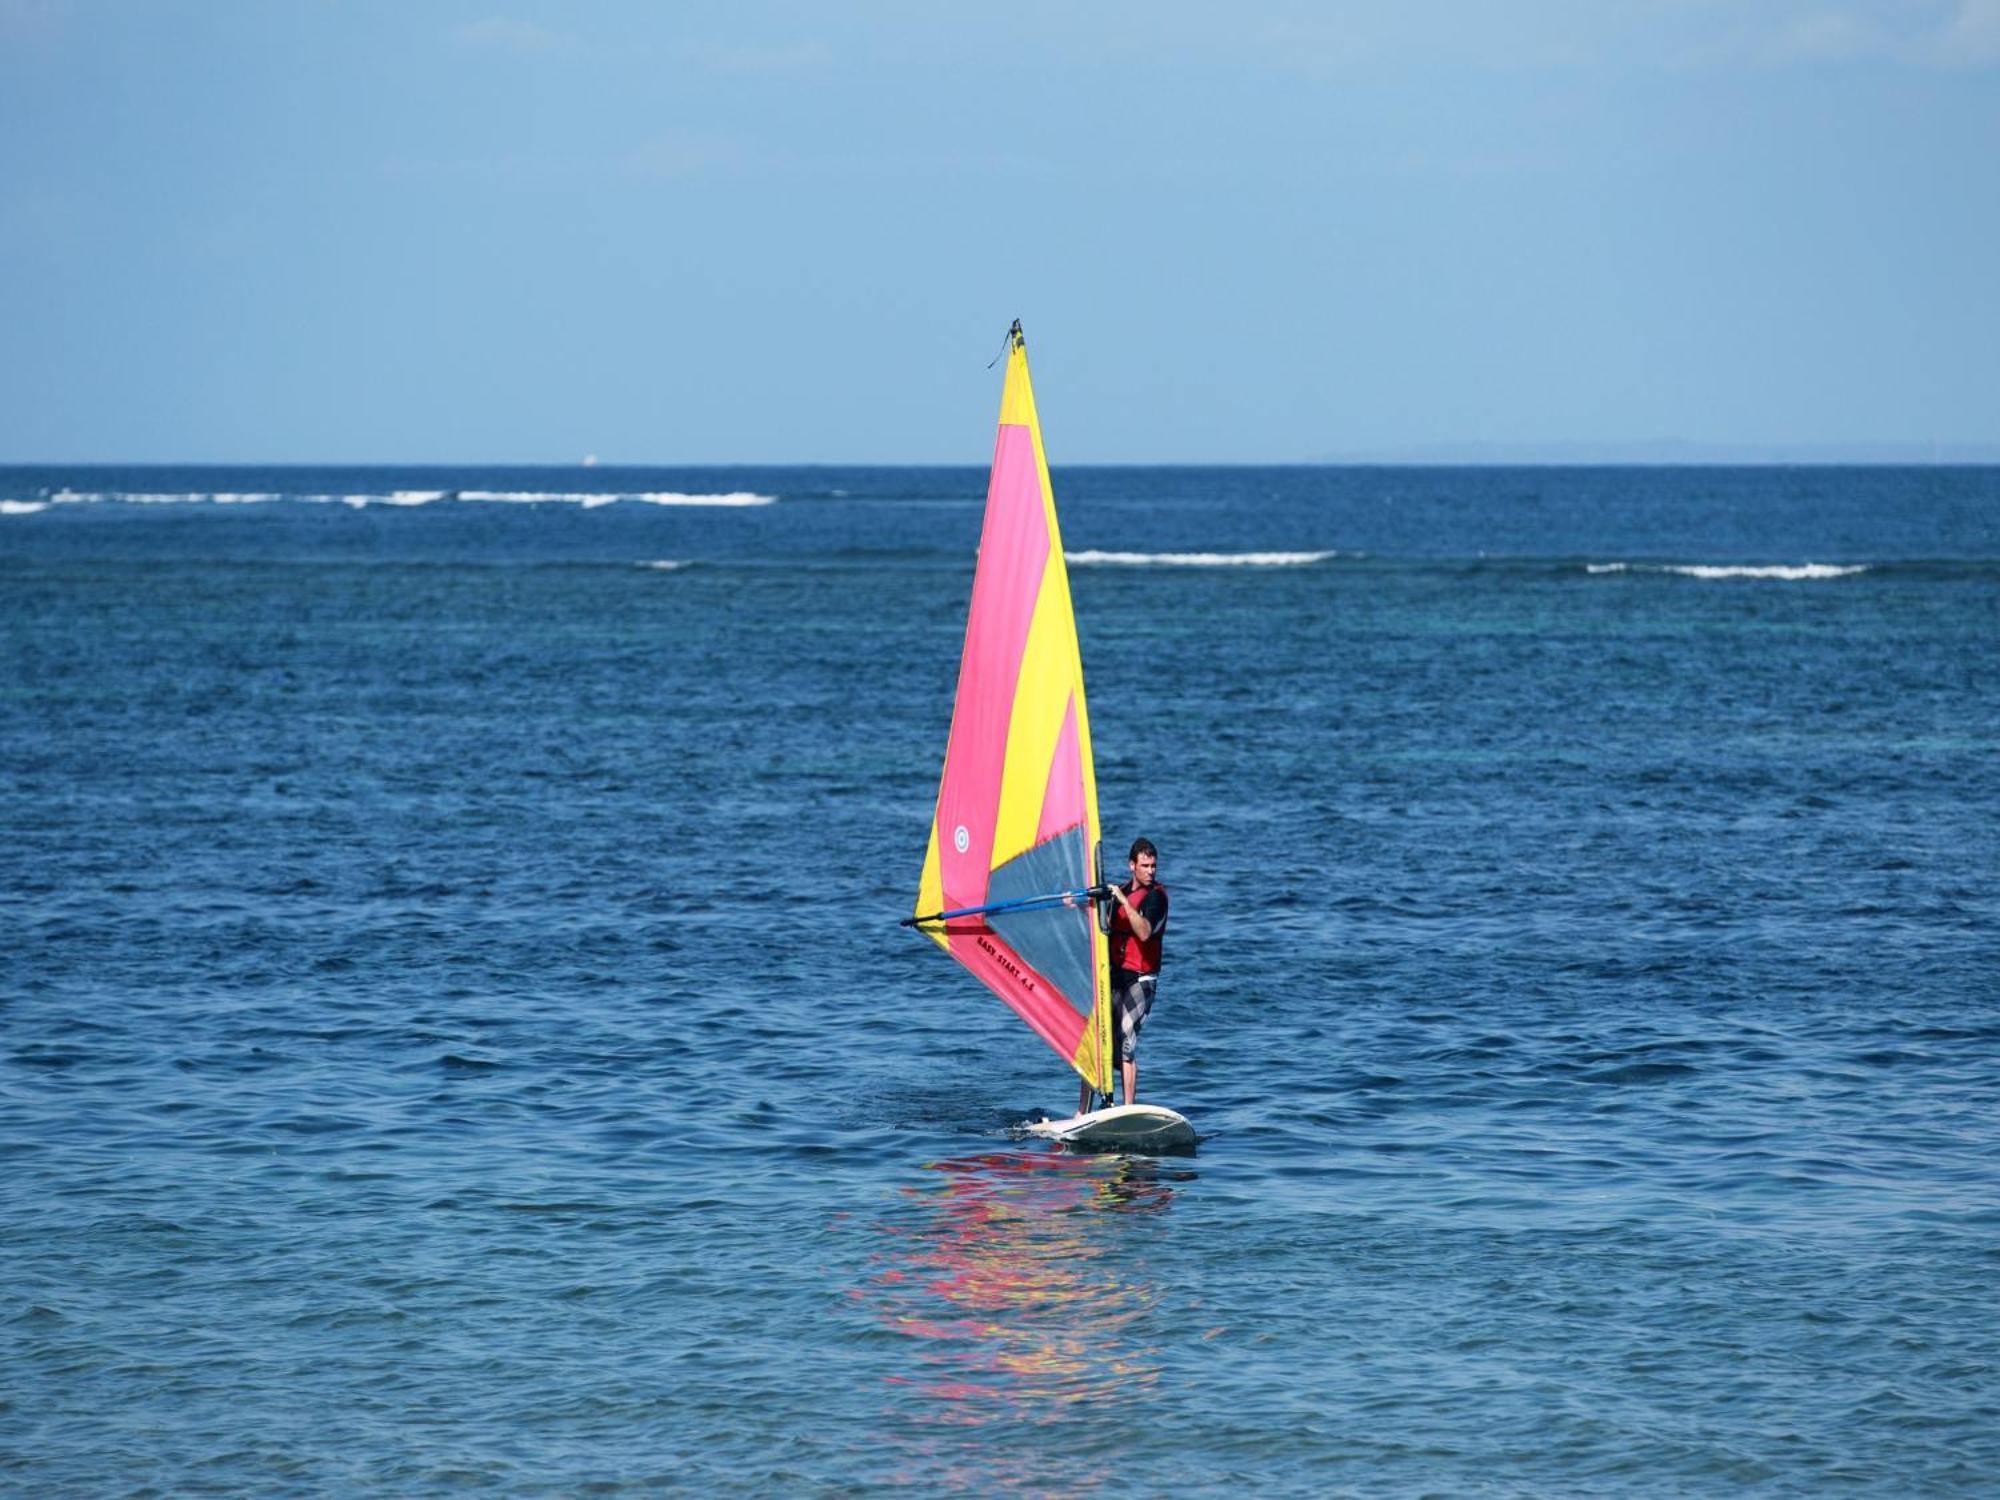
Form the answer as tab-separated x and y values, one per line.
456	1033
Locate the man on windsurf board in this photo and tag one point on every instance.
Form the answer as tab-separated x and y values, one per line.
1138	925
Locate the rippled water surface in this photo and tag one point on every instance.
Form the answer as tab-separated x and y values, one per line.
457	1035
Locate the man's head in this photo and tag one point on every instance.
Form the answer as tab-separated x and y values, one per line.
1145	861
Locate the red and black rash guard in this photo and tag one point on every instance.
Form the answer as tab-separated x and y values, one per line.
1128	954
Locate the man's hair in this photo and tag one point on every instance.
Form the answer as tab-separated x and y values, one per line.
1142	846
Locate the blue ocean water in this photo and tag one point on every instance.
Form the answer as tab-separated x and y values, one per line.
457	1034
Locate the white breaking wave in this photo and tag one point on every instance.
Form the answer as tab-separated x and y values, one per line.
666	564
1787	572
398	497
1793	574
591	502
1197	559
133	497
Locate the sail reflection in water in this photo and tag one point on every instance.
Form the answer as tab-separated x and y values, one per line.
1014	1281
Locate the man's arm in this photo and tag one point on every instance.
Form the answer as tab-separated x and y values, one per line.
1142	926
1154	910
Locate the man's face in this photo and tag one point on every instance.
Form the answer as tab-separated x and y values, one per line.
1143	867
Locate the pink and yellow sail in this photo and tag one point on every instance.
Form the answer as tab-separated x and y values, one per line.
1016	812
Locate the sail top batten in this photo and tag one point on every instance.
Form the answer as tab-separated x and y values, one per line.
1017	801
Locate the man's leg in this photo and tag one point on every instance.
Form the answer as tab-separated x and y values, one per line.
1133	1008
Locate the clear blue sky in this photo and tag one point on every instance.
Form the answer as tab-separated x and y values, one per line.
419	230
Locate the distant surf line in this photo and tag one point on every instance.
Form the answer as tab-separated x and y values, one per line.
1783	572
592	501
1096	558
588	500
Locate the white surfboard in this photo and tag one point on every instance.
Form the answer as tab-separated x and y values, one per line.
1126	1127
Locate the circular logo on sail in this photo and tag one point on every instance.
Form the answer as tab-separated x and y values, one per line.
960	839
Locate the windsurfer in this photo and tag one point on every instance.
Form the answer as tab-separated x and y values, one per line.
1138	925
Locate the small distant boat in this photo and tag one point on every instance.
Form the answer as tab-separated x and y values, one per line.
1013	882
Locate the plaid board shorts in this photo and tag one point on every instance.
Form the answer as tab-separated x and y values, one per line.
1131	1003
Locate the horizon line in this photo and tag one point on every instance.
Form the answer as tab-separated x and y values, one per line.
1971	455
